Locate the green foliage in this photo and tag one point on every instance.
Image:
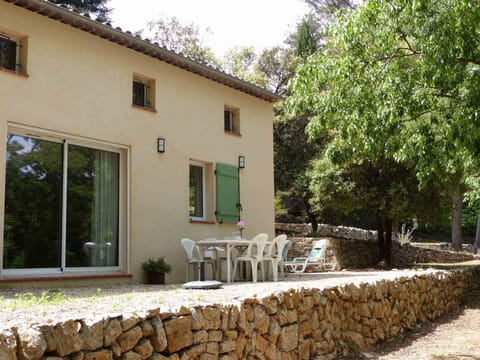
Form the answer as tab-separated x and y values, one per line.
293	153
391	88
398	82
469	218
29	299
184	39
157	265
271	69
293	150
93	7
332	195
239	61
275	66
280	209
305	42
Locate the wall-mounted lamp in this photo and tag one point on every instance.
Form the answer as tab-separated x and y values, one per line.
161	145
241	162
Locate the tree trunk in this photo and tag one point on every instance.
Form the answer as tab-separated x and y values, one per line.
457	217
388	241
476	245
380	239
311	216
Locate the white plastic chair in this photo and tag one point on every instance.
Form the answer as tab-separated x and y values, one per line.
255	258
316	257
216	253
274	254
193	257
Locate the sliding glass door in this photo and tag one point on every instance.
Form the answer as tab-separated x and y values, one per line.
33	204
61	205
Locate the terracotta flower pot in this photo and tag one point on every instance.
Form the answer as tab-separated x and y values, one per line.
155	277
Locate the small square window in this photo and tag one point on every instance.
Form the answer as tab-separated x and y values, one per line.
8	54
231	120
13	52
143	92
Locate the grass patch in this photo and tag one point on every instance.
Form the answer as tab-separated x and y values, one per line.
26	300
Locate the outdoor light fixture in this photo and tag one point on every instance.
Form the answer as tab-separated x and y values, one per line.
161	145
241	162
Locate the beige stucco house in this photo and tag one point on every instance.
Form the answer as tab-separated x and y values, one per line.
114	149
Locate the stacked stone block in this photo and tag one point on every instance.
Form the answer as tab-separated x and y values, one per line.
294	324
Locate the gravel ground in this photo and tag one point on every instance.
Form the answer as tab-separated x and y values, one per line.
37	306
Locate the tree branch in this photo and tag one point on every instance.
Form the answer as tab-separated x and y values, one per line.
388	58
470	61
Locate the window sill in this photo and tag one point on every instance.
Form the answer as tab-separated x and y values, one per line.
56	277
192	221
232	133
13	72
152	110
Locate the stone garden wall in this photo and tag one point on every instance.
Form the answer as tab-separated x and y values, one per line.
352	248
295	324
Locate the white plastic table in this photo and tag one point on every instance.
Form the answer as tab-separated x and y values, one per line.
228	245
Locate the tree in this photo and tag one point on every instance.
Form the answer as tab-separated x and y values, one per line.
312	30
240	61
398	82
292	168
326	10
184	39
275	67
305	38
93	7
293	155
270	69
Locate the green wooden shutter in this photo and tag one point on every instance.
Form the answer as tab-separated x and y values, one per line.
228	193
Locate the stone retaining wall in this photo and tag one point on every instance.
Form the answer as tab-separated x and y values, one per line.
295	324
361	254
352	248
343	232
346	254
405	254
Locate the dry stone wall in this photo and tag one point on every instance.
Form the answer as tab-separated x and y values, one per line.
404	254
352	248
295	324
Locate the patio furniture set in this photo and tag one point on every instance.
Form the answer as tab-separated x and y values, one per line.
258	252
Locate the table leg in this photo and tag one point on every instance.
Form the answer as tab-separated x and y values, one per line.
201	263
229	265
201	270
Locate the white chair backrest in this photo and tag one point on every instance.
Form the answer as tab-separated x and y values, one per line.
189	246
276	246
279	242
210	253
318	251
259	243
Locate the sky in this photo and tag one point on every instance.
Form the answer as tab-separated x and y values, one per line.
257	23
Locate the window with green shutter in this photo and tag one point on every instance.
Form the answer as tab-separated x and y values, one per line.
228	193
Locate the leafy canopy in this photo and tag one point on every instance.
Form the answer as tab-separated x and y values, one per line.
398	79
184	39
93	7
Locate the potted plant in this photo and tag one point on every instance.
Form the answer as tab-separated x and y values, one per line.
156	270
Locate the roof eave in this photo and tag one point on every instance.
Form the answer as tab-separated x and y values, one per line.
116	35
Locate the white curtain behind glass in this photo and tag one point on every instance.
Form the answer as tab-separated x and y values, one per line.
104	229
